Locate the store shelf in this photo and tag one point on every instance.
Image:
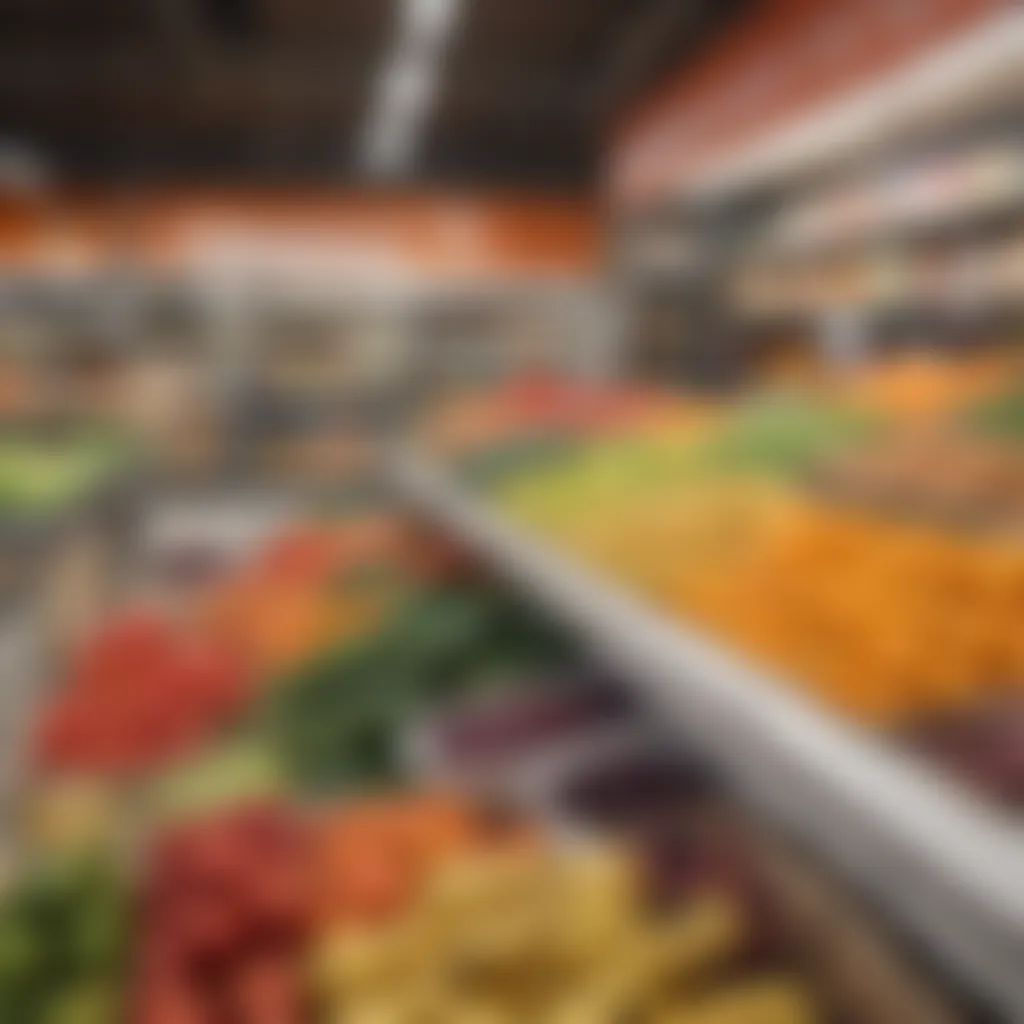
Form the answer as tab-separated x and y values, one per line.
936	315
977	68
954	223
943	864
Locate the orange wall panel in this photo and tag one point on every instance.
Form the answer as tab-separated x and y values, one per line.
421	234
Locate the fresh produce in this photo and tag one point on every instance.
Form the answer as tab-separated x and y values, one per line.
141	693
765	1001
70	816
884	620
38	478
633	790
225	915
537	409
921	387
336	721
239	769
64	928
616	487
797	923
481	735
277	625
985	746
530	932
311	587
298	673
906	621
963	481
373	856
772	525
999	416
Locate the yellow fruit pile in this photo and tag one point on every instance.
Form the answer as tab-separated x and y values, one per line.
553	937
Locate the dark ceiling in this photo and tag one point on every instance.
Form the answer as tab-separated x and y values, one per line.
280	89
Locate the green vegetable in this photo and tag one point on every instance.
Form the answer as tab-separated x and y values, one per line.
86	1004
236	770
63	938
337	720
781	436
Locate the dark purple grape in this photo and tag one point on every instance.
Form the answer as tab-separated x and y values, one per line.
683	864
984	746
635	790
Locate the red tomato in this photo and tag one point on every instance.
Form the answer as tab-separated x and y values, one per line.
278	898
308	553
172	1005
129	644
266	989
141	693
203	929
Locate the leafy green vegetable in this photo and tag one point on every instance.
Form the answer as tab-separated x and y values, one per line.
336	721
63	940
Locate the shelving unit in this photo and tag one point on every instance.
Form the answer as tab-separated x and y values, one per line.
947	867
954	99
952	223
978	67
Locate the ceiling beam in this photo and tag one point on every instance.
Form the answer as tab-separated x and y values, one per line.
87	74
78	71
663	32
479	86
179	23
642	45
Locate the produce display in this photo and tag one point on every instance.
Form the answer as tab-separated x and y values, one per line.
301	593
225	910
63	944
481	734
336	719
233	822
524	421
372	856
538	933
983	745
862	545
686	841
38	479
907	622
963	480
141	693
999	414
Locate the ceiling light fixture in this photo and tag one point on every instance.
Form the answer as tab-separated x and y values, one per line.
407	85
429	21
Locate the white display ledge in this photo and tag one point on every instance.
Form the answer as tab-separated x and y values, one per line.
945	865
